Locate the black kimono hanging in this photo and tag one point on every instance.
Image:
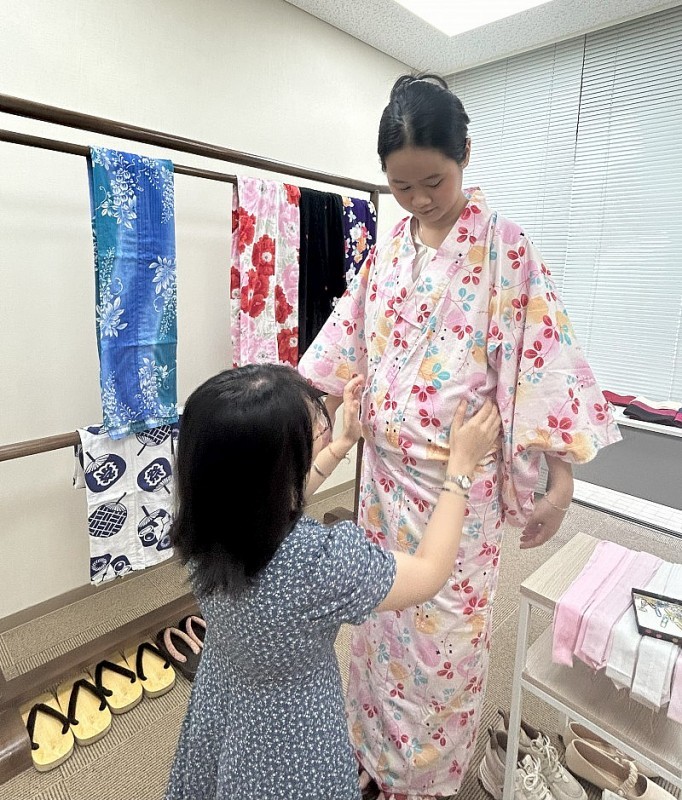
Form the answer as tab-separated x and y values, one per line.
321	259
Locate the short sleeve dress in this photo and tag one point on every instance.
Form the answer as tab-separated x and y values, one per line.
266	716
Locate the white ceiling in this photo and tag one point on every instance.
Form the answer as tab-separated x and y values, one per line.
392	29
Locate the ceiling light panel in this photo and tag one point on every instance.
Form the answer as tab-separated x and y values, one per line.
457	16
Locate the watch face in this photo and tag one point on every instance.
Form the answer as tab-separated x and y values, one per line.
465	482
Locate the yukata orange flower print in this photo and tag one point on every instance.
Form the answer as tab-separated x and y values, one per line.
264	272
481	320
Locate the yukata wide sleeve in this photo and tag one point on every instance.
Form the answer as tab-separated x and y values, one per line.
548	397
339	352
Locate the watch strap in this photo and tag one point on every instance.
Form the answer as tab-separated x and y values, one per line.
463	481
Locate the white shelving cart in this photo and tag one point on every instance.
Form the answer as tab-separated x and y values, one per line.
579	693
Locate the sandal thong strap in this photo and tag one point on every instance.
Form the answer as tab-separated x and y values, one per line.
100	694
140	654
168	635
99	669
192	624
45	709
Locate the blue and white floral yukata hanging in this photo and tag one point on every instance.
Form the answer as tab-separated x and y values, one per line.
133	226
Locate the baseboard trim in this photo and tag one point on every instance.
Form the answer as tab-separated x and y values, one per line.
325	494
71	596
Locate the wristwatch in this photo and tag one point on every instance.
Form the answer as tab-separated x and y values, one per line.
463	481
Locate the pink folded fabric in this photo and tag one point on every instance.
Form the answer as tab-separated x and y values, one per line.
611	601
619	399
569	610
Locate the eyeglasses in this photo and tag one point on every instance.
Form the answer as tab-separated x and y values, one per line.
323	427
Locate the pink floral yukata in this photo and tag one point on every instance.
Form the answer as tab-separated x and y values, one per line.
481	320
266	230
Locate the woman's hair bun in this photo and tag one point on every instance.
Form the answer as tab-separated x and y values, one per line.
425	77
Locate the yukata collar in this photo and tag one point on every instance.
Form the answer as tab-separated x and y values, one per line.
476	207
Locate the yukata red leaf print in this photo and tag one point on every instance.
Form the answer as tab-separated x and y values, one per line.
264	272
481	320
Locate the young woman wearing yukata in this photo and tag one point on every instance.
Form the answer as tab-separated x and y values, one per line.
455	302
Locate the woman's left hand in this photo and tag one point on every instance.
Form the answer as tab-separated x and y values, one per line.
545	521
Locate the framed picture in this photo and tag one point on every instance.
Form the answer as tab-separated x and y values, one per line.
658	616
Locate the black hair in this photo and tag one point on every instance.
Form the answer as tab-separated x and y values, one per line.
244	453
423	112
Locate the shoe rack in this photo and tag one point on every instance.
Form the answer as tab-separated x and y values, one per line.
15	747
578	692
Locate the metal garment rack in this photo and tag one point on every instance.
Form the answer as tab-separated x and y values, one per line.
73	119
14	743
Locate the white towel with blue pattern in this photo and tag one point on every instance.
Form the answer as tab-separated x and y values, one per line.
129	489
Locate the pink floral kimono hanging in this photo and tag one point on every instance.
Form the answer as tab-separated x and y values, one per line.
264	275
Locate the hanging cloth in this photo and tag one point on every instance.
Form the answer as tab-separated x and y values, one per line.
359	233
133	228
675	707
613	600
264	274
608	559
653	677
322	264
129	490
626	639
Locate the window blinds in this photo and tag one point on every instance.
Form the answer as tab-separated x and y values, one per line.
623	278
579	142
524	113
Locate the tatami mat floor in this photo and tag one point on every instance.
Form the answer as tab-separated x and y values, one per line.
133	760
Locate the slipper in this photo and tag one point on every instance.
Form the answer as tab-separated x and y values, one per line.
184	653
153	669
113	674
86	707
195	627
49	731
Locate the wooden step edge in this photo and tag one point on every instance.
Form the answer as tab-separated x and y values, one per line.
16	691
15	746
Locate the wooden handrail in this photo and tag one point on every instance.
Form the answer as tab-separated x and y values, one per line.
43	445
12	137
87	122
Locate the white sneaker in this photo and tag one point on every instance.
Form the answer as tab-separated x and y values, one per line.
536	744
563	785
529	783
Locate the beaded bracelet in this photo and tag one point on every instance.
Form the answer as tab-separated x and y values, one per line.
558	508
338	458
319	471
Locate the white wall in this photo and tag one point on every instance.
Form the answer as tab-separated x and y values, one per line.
255	75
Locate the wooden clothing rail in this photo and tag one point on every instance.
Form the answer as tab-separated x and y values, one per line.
87	122
121	130
15	751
